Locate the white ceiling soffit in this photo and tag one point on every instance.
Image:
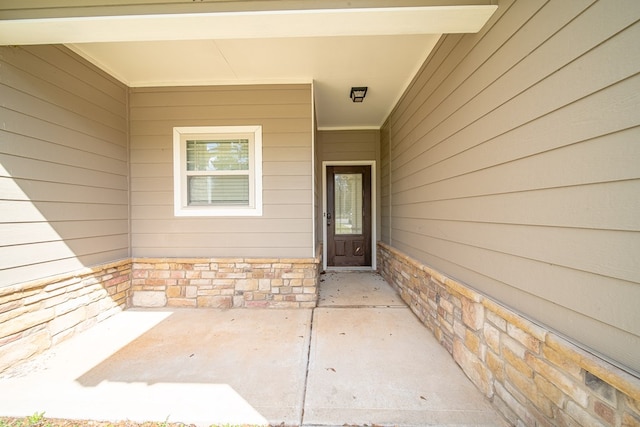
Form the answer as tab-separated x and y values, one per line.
386	64
378	47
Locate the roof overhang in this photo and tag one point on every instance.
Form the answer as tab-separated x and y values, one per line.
336	43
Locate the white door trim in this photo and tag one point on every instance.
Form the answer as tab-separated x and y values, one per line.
372	164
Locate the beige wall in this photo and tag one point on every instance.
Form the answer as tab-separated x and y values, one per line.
63	164
514	167
344	145
284	230
385	184
317	185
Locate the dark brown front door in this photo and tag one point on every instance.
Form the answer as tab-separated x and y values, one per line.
348	216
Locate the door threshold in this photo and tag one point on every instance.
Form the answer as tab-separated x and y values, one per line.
354	268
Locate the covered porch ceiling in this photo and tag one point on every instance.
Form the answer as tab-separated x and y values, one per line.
335	44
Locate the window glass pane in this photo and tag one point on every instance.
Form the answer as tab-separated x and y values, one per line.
218	155
218	190
348	203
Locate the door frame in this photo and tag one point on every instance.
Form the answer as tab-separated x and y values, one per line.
323	218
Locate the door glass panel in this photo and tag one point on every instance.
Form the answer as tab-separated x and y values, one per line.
348	203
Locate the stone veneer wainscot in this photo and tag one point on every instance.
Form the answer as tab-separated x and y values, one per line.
533	376
225	282
36	315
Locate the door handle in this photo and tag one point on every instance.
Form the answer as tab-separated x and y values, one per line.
328	219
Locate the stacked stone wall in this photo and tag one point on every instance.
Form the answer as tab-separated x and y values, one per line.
37	315
533	376
226	282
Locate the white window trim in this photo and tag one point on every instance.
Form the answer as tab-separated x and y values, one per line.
180	135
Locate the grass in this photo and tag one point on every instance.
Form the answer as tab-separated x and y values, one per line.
35	420
38	420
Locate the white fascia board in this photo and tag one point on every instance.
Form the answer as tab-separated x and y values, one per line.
239	25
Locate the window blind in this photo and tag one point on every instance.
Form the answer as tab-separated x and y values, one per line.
218	155
218	190
218	172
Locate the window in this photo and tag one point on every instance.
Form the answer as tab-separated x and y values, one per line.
217	171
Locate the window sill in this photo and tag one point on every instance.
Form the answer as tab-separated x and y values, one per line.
218	211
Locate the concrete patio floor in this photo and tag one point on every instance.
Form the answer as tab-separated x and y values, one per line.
361	357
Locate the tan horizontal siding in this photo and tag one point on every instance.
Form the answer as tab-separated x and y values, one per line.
194	92
194	226
287	169
615	256
507	268
286	154
26	211
513	167
36	253
503	122
612	206
464	54
45	91
31	106
616	153
348	145
209	96
229	243
527	82
286	182
205	112
63	151
60	68
23	189
285	229
32	149
385	183
42	170
287	140
50	268
233	252
87	74
41	129
141	184
228	240
25	233
269	125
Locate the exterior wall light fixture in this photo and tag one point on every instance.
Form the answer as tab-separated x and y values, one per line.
358	93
